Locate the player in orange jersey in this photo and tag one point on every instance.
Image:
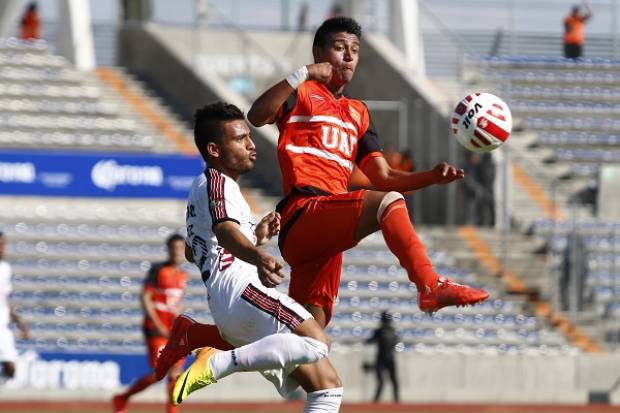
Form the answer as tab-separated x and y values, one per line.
161	300
323	133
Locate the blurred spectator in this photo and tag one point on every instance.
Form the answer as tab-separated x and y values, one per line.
574	31
574	273
336	11
302	17
479	189
8	354
406	161
392	156
162	297
401	161
30	23
386	338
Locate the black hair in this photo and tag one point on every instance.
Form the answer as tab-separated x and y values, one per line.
335	25
174	237
207	123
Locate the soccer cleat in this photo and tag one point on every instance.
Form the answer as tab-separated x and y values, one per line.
448	293
119	402
197	376
176	348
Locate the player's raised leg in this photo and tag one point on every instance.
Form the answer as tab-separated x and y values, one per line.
186	336
275	351
387	211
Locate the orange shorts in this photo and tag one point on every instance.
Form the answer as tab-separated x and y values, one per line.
154	346
316	230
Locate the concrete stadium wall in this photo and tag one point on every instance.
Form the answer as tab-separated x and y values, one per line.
143	53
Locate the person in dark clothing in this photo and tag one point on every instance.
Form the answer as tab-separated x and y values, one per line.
386	339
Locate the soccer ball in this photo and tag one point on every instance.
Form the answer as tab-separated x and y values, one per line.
481	122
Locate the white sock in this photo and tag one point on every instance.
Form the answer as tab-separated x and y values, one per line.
324	401
272	352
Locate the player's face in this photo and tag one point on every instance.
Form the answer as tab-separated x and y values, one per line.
236	149
176	252
342	51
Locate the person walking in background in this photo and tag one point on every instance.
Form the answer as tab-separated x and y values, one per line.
30	23
161	300
8	353
386	338
573	31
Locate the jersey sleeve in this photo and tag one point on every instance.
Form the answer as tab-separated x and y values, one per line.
223	199
287	106
369	146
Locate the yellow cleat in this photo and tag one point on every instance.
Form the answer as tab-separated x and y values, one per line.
197	376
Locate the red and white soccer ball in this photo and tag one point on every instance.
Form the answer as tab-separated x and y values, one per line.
481	122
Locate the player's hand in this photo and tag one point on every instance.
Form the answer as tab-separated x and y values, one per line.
321	72
270	270
445	173
267	228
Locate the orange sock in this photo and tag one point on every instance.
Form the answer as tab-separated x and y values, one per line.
403	241
141	384
206	335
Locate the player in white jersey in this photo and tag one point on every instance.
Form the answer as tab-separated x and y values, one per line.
8	354
273	333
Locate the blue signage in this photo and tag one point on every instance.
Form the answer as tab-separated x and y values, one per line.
97	174
51	370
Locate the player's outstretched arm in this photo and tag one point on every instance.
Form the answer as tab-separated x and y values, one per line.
265	109
385	178
232	239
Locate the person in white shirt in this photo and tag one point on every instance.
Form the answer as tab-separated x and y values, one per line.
272	333
8	353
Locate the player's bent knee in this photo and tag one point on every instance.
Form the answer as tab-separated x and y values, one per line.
387	200
316	350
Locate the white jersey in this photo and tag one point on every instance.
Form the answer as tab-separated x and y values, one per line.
5	290
214	198
243	309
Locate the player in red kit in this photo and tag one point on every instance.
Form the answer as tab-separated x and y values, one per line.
323	134
161	300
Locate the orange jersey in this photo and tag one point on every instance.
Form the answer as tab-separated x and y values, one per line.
321	138
166	284
575	29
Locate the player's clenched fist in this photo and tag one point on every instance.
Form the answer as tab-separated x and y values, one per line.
321	72
269	270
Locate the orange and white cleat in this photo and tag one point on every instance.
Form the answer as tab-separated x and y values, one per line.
448	293
176	348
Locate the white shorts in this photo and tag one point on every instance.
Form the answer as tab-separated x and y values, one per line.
7	345
254	312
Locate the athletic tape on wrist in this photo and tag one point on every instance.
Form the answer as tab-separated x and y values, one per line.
298	77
